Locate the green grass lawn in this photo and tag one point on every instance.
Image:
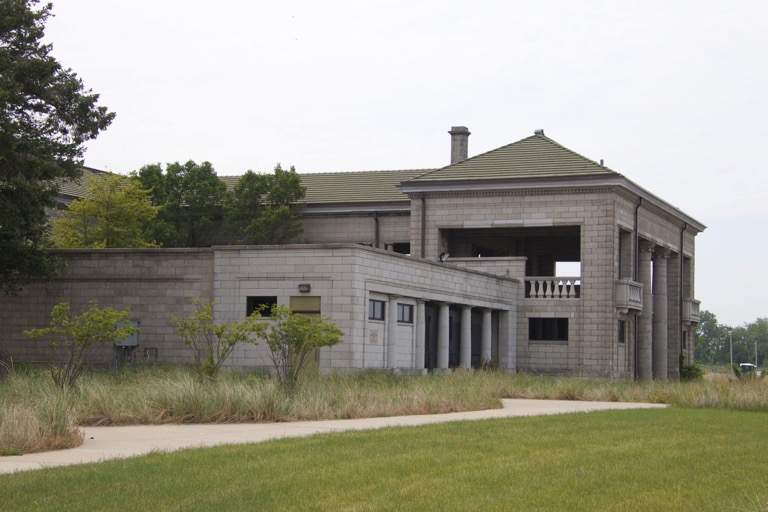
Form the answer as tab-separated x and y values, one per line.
673	459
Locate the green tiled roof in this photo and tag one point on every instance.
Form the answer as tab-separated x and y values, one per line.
351	187
533	157
76	188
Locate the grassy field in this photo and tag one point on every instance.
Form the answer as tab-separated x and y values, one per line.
36	416
673	459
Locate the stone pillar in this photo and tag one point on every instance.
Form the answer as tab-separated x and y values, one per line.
645	320
392	332
466	338
421	326
443	331
660	259
485	344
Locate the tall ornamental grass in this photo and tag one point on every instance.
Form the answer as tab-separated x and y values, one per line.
36	416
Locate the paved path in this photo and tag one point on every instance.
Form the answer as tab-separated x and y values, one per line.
103	443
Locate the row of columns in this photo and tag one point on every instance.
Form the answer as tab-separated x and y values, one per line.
443	335
652	339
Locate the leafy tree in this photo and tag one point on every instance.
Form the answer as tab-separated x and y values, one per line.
712	340
115	212
264	208
293	337
46	117
212	343
72	339
190	197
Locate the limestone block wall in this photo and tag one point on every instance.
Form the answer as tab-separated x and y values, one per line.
591	348
355	228
345	278
152	284
510	267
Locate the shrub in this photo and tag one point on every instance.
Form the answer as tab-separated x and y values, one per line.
72	339
212	343
690	372
293	337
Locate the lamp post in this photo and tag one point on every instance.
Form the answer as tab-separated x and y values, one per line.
730	338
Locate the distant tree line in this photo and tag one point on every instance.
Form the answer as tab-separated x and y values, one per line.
713	341
183	205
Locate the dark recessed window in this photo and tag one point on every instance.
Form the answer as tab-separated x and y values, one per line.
548	329
375	309
405	313
622	331
264	303
402	247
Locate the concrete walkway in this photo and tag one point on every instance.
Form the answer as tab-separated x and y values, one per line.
102	443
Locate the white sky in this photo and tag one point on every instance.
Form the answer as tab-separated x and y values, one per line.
672	94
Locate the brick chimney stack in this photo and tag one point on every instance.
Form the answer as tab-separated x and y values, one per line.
459	143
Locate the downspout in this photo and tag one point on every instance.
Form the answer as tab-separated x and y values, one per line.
423	224
635	274
681	295
376	229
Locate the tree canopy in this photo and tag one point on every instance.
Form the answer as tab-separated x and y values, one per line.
264	208
46	117
713	341
115	213
190	197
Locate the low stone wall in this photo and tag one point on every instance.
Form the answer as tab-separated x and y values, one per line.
153	284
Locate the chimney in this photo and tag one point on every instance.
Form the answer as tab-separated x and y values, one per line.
459	143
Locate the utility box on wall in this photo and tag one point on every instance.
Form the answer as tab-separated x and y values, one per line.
132	340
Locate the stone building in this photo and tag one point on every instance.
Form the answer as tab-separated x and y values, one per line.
431	269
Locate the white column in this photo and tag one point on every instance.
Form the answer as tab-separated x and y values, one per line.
660	356
443	331
485	344
421	325
392	332
465	358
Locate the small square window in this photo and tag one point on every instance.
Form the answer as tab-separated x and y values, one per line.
405	313
375	309
265	303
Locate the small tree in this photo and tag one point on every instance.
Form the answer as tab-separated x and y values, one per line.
211	343
190	197
265	208
116	212
72	339
293	337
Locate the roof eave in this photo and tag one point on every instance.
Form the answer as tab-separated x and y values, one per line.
550	183
351	208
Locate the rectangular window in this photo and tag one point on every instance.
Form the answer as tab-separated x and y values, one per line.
548	329
622	331
266	303
375	309
405	313
305	305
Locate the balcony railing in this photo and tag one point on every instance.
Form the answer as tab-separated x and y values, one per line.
691	311
629	296
552	287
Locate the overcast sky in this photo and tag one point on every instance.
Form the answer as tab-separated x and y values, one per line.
671	94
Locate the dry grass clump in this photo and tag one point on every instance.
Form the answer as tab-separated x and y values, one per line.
43	425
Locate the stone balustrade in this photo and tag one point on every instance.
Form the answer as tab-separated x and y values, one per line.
629	295
552	287
691	311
